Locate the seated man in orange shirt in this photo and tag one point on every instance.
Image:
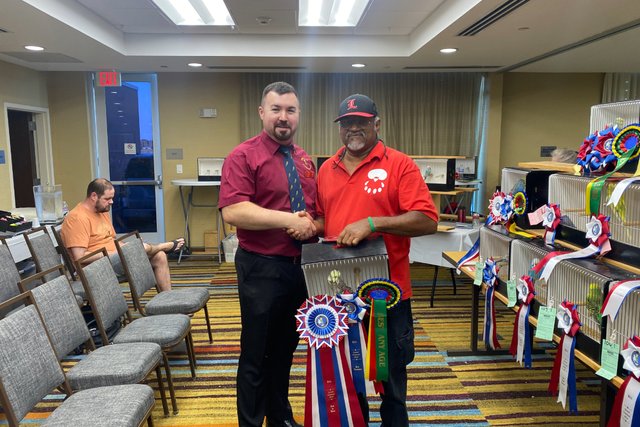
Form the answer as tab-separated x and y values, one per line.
87	228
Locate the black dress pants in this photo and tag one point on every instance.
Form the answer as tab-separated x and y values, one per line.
271	291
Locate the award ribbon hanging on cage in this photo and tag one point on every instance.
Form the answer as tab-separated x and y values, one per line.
330	396
619	189
381	295
563	374
598	235
521	339
518	207
626	407
549	215
489	334
355	345
618	291
625	147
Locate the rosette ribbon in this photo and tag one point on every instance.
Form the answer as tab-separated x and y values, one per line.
500	208
489	277
518	207
626	407
355	345
549	215
381	295
625	146
619	189
598	235
563	374
618	292
330	396
521	337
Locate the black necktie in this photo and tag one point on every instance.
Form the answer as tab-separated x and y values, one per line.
296	197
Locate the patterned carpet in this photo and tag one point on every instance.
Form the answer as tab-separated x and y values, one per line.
448	386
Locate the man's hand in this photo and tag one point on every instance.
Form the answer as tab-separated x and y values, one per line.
302	227
354	233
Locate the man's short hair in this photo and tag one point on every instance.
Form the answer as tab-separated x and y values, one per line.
99	186
280	88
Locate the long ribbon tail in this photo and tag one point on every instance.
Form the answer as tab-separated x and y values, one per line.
527	339
381	345
351	398
620	188
616	296
573	389
490	336
353	347
331	405
555	371
513	347
471	255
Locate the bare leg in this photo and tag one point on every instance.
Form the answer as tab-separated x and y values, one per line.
152	249
161	271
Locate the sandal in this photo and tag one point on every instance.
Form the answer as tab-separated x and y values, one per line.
176	242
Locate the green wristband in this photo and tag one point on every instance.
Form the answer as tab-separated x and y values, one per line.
371	226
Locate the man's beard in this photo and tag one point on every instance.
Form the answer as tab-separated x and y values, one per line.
284	133
356	144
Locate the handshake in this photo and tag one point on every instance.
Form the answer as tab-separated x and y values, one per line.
302	226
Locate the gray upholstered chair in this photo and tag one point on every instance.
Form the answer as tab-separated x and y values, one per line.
141	279
115	364
64	252
46	256
9	276
108	305
29	371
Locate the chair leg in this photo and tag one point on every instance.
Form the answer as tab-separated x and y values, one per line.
206	318
172	391
150	421
163	394
191	354
433	286
453	279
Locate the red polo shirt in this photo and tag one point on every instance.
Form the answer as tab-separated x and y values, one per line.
386	183
254	172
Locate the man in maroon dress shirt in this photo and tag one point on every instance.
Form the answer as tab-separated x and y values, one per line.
254	196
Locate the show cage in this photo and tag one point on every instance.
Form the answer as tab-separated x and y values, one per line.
627	323
585	282
356	264
535	185
569	192
495	241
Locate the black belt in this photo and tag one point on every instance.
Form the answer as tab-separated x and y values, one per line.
280	258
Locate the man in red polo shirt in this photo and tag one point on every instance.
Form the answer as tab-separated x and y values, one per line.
368	188
255	196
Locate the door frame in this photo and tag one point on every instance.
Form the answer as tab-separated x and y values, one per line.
42	136
97	125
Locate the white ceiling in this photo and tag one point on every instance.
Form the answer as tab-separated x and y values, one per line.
393	36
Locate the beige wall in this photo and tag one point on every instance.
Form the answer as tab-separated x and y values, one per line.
181	95
21	86
526	111
72	153
545	109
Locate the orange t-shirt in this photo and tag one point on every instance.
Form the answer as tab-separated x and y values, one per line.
83	228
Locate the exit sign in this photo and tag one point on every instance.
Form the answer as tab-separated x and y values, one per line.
108	78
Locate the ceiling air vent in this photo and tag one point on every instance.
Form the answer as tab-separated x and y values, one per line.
496	14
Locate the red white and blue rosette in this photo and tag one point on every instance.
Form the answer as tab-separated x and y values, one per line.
626	407
330	396
489	277
381	295
598	235
563	374
521	337
355	345
550	221
500	208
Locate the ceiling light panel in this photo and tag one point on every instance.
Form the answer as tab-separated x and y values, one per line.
196	12
330	13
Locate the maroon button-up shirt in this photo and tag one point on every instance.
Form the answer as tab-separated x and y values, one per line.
254	172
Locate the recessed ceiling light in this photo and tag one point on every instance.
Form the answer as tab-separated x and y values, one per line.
358	65
34	48
331	13
449	50
194	64
196	12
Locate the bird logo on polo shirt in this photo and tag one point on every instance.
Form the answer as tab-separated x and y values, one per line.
375	183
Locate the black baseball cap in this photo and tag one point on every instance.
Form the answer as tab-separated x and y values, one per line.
357	105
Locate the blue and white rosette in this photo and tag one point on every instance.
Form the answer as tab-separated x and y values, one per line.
330	396
355	346
489	277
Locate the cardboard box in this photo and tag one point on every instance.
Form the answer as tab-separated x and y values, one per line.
210	168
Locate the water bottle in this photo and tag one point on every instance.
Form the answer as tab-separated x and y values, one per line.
475	220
